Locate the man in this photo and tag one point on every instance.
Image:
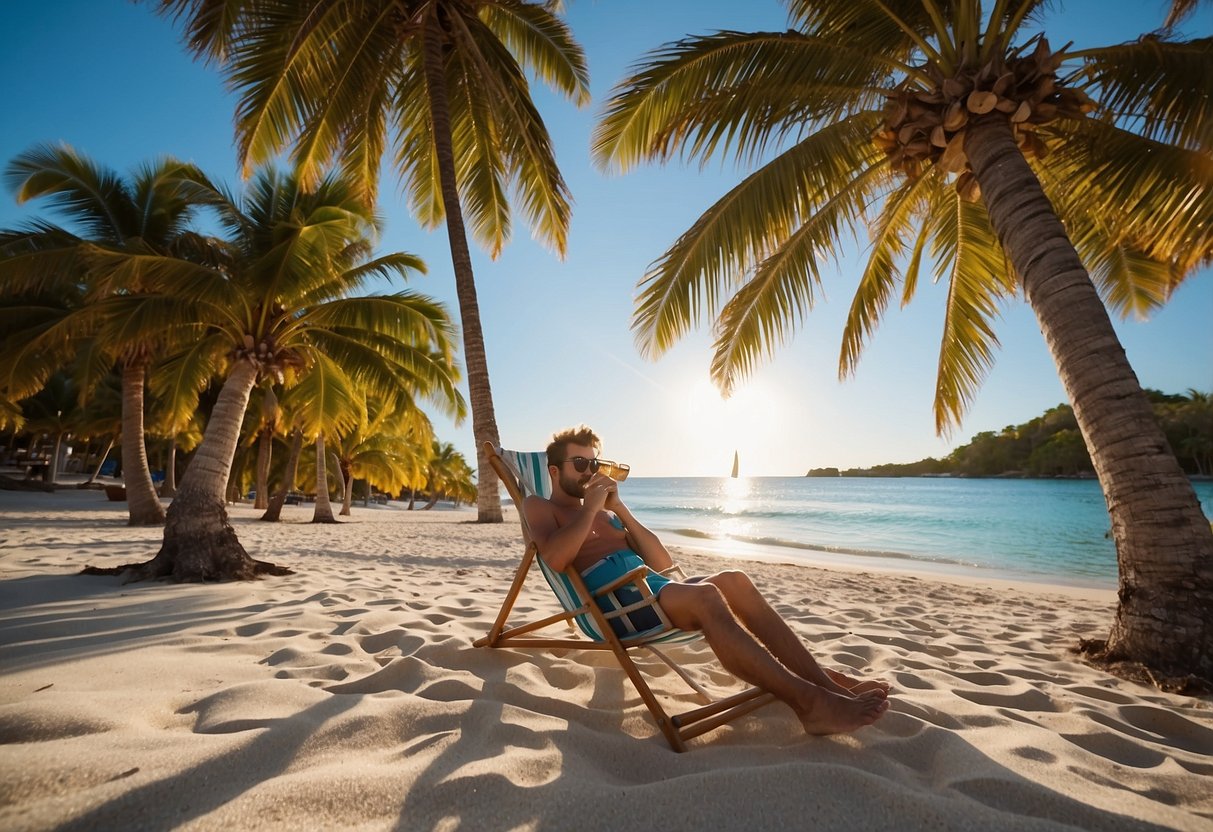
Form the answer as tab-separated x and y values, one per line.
587	526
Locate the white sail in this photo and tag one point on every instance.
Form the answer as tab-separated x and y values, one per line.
734	474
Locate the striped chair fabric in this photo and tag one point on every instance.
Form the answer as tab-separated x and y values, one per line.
530	468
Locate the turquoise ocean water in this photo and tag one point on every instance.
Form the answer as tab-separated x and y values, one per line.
1050	531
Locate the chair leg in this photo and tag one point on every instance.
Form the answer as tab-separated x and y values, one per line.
508	604
704	696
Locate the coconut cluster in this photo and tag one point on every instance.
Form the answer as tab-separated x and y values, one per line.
927	126
264	354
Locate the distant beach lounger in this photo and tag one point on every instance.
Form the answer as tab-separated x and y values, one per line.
524	474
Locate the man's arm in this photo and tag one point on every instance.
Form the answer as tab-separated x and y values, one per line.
643	542
559	545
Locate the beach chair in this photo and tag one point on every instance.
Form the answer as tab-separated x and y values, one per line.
525	474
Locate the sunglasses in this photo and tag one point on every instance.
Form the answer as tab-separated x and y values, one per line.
580	463
615	470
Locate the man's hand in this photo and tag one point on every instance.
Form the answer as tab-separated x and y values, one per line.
613	500
600	492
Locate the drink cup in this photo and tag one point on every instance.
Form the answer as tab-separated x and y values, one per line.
615	470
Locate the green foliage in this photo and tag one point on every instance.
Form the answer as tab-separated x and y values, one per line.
844	126
823	472
1052	446
343	82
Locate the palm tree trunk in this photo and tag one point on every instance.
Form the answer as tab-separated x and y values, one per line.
264	449
323	512
1163	542
347	479
143	506
169	487
56	462
199	542
274	512
97	471
480	394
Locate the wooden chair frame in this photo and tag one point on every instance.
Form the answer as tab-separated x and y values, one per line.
677	728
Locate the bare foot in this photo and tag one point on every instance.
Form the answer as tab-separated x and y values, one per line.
832	713
855	686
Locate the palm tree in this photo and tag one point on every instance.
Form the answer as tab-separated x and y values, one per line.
290	471
443	81
149	212
384	450
279	304
266	413
950	136
448	474
325	401
53	412
183	434
101	418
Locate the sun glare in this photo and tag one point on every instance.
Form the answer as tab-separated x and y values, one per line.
717	427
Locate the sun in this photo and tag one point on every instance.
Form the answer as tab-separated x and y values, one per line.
745	422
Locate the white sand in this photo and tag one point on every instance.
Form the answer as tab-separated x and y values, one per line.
348	696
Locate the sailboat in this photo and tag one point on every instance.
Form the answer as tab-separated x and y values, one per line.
734	474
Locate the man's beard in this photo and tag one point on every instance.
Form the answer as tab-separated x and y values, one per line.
574	486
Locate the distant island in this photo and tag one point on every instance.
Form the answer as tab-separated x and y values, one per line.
1050	446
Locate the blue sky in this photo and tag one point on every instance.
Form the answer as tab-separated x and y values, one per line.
111	79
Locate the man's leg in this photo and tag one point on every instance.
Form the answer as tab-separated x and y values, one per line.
820	708
770	628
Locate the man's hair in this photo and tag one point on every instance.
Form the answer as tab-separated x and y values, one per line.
580	435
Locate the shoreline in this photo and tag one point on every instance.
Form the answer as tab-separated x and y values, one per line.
813	558
347	695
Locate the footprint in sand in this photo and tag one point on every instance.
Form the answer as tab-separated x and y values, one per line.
318	674
912	681
1039	755
985	678
1035	676
931	716
1031	700
1102	694
1159	726
1116	749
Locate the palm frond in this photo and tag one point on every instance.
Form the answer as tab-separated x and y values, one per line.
1159	86
1179	10
133	321
493	77
868	23
979	279
187	281
178	380
481	167
415	155
543	43
278	71
881	274
394	370
365	135
744	227
94	197
1159	197
407	317
363	44
763	312
397	264
38	260
11	417
729	93
324	400
93	366
211	24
